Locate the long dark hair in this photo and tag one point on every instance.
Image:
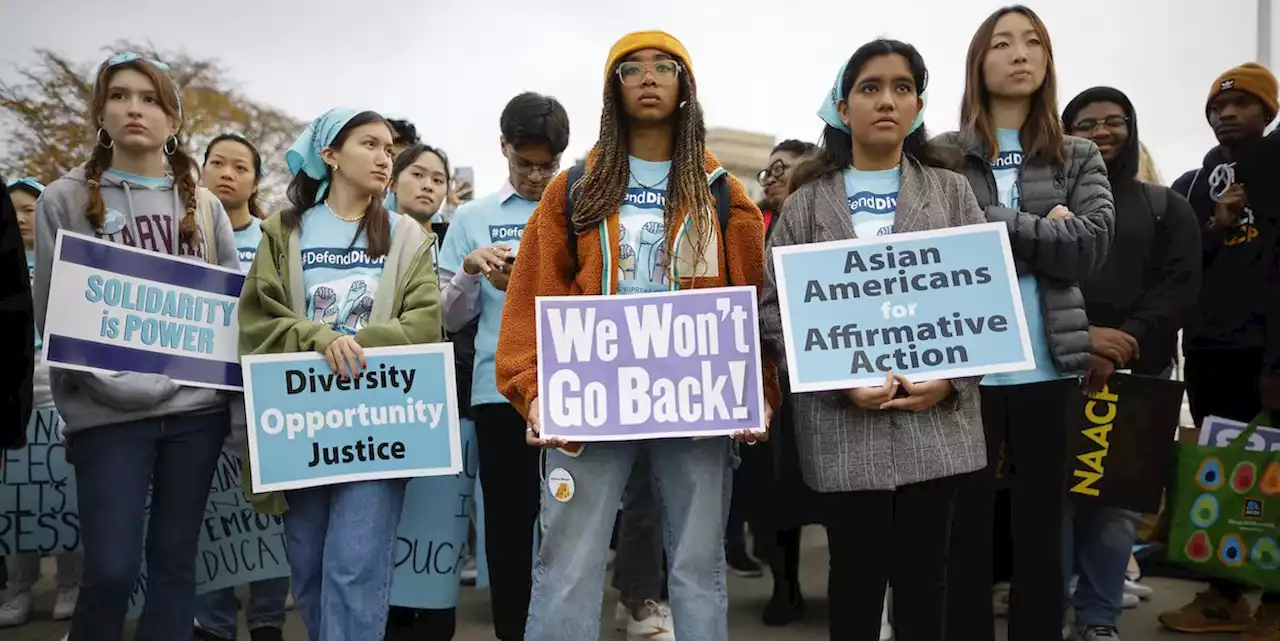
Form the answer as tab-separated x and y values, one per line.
303	190
255	209
412	153
182	165
836	150
1041	134
603	188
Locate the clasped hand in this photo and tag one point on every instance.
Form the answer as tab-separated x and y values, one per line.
920	396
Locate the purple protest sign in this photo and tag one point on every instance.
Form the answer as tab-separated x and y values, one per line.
644	366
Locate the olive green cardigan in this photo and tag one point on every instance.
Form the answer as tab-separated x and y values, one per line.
273	303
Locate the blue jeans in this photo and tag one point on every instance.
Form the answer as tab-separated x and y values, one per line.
216	611
341	541
693	482
114	465
1096	544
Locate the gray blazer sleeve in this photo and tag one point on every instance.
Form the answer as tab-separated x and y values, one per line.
964	211
1067	250
786	231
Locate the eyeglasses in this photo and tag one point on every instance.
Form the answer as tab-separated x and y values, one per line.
775	171
525	167
632	73
1110	122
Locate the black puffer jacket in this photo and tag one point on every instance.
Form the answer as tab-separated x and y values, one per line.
1061	253
17	324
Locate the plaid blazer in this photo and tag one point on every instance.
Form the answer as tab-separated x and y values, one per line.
844	448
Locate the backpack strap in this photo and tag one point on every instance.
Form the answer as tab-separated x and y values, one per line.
1159	201
720	191
575	174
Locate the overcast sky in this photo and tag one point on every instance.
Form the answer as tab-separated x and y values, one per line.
762	65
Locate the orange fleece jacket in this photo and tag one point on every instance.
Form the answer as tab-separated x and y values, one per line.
545	268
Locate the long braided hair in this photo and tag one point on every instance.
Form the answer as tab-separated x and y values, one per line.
180	163
604	187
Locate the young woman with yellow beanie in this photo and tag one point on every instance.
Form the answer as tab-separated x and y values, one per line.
652	140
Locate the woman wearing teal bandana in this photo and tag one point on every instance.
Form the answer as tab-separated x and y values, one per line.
129	430
367	282
887	461
24	569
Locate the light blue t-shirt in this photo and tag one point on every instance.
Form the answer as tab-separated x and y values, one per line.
494	219
144	181
643	245
1006	168
340	278
873	200
247	240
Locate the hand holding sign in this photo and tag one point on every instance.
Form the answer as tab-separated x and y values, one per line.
874	398
345	356
533	433
1113	344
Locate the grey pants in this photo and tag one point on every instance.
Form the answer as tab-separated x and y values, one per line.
639	572
24	571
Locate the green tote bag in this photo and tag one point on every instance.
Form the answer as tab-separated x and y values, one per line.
1225	511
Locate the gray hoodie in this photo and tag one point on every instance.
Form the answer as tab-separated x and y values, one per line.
139	217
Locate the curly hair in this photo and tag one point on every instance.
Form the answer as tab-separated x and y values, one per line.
604	187
180	163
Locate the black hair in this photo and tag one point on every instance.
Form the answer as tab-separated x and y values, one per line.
535	118
303	191
792	146
255	209
24	187
403	133
836	150
1125	166
412	153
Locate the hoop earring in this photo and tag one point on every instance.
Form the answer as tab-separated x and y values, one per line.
168	150
110	143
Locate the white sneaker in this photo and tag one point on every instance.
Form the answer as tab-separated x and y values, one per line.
469	572
15	611
655	627
1000	599
886	630
1130	601
65	606
1139	590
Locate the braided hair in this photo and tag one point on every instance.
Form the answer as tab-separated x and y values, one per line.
604	187
180	163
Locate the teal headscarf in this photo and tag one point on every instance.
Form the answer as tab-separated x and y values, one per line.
29	182
830	111
304	155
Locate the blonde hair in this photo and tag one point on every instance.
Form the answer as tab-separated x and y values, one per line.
1147	171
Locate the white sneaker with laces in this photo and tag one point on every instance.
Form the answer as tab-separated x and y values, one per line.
65	606
657	626
1139	590
15	611
1130	601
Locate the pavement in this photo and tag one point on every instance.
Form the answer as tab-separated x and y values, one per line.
747	599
